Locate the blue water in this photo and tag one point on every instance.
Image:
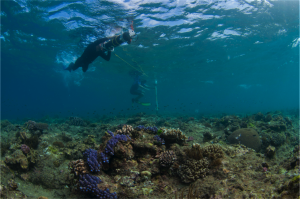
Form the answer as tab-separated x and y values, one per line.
208	57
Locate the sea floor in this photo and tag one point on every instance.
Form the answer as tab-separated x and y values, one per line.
150	156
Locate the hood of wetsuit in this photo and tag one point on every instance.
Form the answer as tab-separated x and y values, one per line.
126	37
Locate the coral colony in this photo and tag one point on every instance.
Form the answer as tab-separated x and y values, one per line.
87	182
159	139
25	148
152	129
92	161
110	145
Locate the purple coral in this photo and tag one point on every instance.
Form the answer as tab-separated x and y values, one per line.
140	127
25	148
88	184
153	129
92	161
159	139
109	149
110	133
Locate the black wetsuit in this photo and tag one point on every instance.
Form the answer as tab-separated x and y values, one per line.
94	50
134	89
90	54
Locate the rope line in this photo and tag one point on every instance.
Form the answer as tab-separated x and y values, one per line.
140	70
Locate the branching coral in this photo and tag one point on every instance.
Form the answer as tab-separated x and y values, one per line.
199	160
213	151
192	170
89	184
109	149
92	161
78	167
126	130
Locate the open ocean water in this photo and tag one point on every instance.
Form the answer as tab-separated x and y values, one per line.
222	103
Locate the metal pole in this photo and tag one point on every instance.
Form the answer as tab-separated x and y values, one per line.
156	96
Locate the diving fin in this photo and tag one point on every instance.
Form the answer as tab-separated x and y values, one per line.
144	103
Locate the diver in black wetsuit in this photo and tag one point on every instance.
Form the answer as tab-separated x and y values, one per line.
138	88
101	47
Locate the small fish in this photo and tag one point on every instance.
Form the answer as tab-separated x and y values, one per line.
238	136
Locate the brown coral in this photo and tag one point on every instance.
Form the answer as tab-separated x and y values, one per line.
248	137
32	125
270	151
193	170
173	136
12	185
126	130
196	152
78	167
213	151
58	144
167	158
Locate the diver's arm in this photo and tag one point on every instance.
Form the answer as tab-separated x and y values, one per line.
148	87
105	56
143	87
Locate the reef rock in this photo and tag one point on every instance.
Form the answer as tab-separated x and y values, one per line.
17	159
246	136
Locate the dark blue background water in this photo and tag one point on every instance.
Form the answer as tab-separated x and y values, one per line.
209	57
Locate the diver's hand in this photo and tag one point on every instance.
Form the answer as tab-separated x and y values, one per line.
111	49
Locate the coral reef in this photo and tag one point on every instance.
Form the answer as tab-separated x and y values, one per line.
143	161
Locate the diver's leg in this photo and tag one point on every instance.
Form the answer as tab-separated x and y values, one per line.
75	66
139	97
69	68
85	67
